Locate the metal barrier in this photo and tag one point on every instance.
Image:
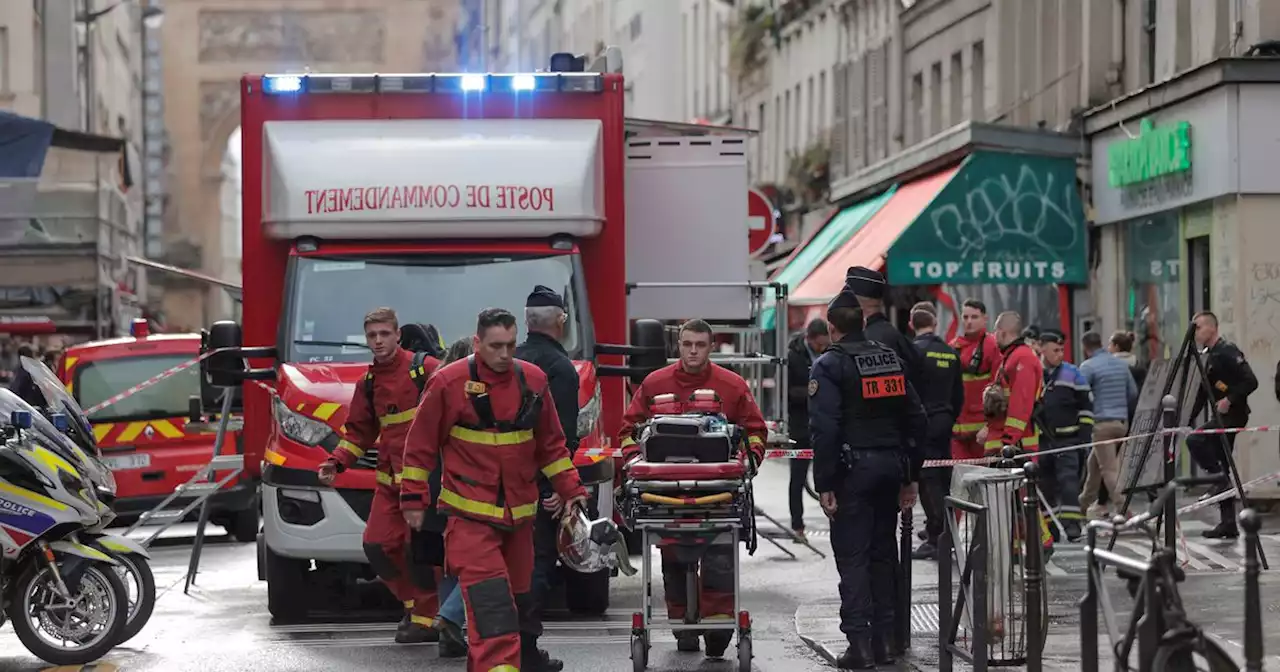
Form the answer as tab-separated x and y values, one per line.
992	545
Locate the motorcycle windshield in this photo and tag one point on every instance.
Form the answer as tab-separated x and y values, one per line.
80	448
42	431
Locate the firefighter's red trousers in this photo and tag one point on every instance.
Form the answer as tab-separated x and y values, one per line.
386	534
966	447
715	582
493	566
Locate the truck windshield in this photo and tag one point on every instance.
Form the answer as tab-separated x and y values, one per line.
95	382
330	297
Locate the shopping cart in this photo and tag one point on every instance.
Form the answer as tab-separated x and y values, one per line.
691	490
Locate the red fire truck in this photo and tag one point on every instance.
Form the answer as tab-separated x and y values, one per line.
439	195
145	438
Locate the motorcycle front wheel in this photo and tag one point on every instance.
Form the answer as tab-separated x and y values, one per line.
140	584
74	632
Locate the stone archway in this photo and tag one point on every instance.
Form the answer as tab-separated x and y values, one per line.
209	44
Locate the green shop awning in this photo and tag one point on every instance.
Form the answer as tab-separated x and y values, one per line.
838	230
1002	219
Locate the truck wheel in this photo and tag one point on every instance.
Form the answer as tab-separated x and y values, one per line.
586	594
243	525
287	589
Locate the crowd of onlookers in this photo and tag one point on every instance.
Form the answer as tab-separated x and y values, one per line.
11	351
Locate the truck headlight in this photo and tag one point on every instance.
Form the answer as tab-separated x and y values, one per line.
589	414
297	426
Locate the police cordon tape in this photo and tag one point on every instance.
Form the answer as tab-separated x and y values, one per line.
129	392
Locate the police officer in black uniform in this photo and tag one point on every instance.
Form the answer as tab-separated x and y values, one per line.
869	286
1232	381
942	393
545	317
862	412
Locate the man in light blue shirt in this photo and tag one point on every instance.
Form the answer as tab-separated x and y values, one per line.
1113	390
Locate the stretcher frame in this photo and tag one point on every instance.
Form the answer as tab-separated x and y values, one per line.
716	522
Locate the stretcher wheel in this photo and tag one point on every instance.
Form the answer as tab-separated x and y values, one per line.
639	653
744	652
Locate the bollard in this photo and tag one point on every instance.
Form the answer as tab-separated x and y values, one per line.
1032	570
1251	523
903	612
1089	607
1169	519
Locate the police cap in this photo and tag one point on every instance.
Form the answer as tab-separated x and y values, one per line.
865	282
845	299
543	296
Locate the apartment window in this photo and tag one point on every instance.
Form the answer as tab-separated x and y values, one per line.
978	84
751	165
787	123
718	67
822	100
917	108
760	147
775	143
811	130
957	88
935	99
797	122
4	59
684	72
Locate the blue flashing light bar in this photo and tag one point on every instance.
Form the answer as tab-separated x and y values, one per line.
466	83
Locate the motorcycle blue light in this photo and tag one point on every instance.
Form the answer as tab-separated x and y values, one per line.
60	421
20	419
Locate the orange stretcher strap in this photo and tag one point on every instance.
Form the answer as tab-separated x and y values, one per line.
686	501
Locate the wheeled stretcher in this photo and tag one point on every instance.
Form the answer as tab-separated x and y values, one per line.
690	489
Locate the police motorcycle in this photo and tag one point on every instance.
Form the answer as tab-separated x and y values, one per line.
134	568
67	604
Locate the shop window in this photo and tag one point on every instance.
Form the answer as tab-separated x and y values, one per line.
1153	272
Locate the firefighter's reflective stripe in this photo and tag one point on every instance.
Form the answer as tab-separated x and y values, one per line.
422	620
387	479
967	427
1086	419
504	668
491	438
941	355
417	372
755	441
1027	442
397	418
473	507
1015	424
562	464
1069	429
628	442
975	377
413	474
352	448
408	604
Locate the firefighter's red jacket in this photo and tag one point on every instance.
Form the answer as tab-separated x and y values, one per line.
395	398
490	475
1022	377
971	418
736	403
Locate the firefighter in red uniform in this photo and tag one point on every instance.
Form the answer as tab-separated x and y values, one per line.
682	387
392	384
1011	402
980	356
491	422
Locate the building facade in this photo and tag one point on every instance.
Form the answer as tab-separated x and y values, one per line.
77	66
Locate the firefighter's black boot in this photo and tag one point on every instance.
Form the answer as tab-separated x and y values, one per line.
858	656
453	644
417	633
717	642
404	623
880	650
687	641
533	659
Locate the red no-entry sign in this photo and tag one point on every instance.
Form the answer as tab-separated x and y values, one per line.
761	221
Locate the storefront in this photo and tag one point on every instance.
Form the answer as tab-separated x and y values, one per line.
984	212
1186	199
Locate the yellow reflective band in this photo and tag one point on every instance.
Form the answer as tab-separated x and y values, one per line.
383	478
1086	420
1015	423
628	442
974	377
940	355
114	546
166	429
32	497
471	506
351	448
397	418
491	438
417	371
1068	429
560	465
421	620
415	474
408	604
755	440
54	462
100	431
1033	440
993	444
960	428
274	458
504	668
326	410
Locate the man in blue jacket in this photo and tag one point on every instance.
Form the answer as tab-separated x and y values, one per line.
1066	412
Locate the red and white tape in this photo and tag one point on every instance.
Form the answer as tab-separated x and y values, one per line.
149	382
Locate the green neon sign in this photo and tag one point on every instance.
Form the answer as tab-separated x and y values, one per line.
1155	153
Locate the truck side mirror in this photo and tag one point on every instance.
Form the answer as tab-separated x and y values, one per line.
649	337
221	369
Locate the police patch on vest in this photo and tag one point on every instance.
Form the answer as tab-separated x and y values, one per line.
876	363
884	386
813	387
475	387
